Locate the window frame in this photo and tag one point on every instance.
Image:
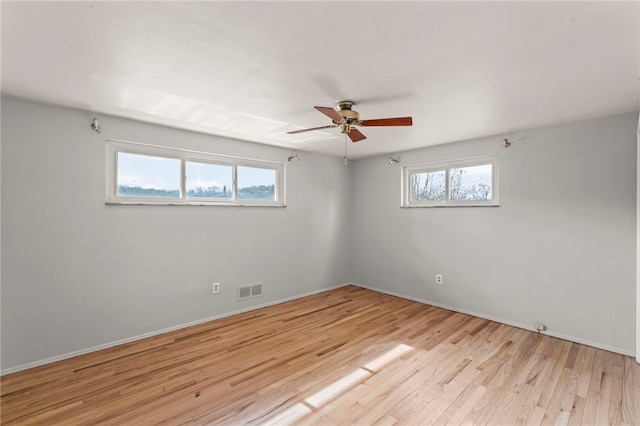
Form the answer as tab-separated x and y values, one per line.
446	166
113	147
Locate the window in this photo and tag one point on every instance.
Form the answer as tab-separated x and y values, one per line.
471	182
147	174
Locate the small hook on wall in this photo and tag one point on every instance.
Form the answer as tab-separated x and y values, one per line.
294	157
95	126
506	143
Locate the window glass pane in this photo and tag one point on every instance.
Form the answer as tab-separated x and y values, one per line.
471	183
428	186
205	180
256	183
147	176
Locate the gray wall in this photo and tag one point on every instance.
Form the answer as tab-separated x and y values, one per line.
77	273
560	249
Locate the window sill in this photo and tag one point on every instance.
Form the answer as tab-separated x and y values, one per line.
448	206
165	203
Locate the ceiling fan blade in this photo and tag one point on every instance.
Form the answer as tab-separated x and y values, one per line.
356	135
313	128
399	121
330	112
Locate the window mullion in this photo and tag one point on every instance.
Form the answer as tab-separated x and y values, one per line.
447	184
183	179
235	182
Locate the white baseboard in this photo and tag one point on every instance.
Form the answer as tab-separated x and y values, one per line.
165	330
503	321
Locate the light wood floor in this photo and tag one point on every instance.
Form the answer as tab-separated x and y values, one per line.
344	357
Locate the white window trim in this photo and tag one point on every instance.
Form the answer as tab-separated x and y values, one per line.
407	171
115	146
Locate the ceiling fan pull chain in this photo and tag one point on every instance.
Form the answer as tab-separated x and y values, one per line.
346	160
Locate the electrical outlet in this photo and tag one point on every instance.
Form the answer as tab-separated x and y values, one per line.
438	278
215	287
540	327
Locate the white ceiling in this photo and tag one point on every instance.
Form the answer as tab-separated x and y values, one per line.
254	70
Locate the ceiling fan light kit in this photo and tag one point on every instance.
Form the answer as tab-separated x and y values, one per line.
347	119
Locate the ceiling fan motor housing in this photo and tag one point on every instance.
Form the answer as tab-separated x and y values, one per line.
349	115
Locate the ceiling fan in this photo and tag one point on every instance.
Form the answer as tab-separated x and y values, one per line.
347	119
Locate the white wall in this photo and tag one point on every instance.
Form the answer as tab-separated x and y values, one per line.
560	249
77	273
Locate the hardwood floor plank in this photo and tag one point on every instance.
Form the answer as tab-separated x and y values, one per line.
615	399
577	412
347	356
462	406
584	369
606	384
630	410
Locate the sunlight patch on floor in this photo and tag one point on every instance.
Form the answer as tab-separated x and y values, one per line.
331	391
386	358
288	416
327	393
